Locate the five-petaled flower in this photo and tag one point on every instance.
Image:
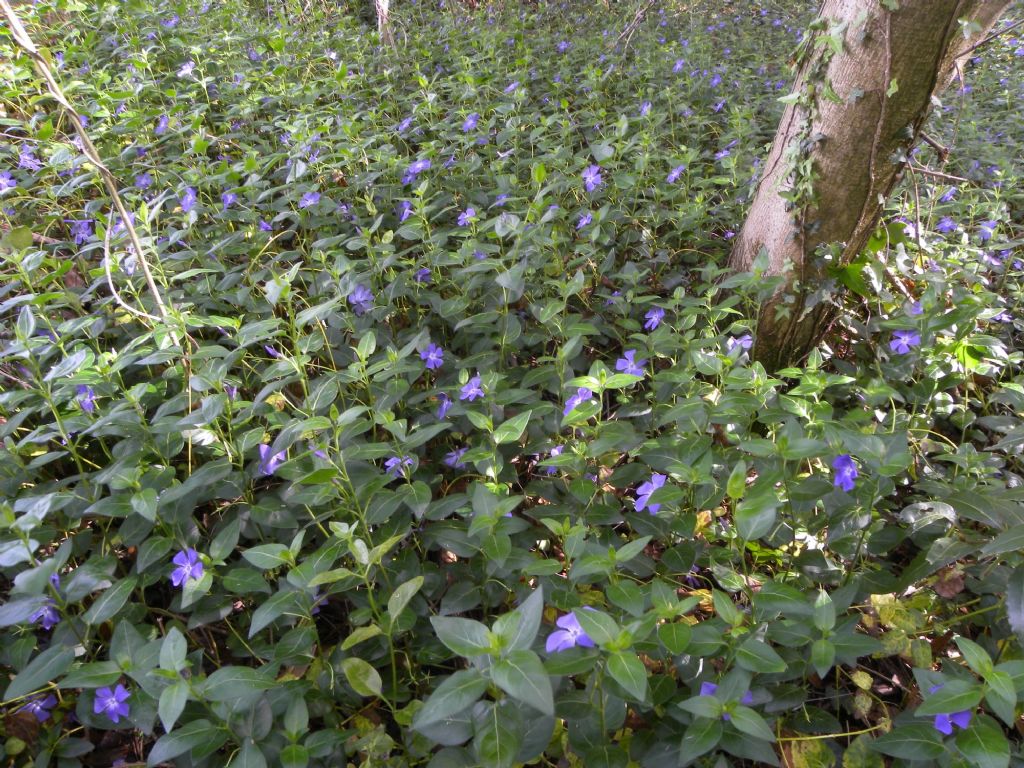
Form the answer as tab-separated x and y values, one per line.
569	636
675	173
471	390
627	364
86	398
228	199
453	458
188	200
644	491
584	220
361	299
309	200
395	466
470	122
433	356
944	721
414	170
81	230
903	341
592	177
112	703
467	216
189	567
47	615
845	469
645	109
653	318
582	395
40	706
7	181
746	341
269	462
422	275
445	403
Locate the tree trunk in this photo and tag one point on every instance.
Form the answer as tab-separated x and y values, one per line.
865	80
383	7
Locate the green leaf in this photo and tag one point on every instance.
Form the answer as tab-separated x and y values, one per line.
1011	540
359	634
191	735
94	675
975	656
463	636
43	669
497	737
600	627
631	549
911	741
757	656
267	556
702	706
452	696
172	702
823	656
519	628
628	671
249	756
701	736
364	679
19	238
984	744
521	675
173	650
954	696
234	682
737	483
110	601
675	637
513	429
824	612
402	595
756	515
749	722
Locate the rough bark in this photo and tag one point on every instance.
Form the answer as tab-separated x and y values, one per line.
891	63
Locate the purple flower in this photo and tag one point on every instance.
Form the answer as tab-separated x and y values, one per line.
265	226
361	299
188	200
414	170
556	451
433	356
569	636
444	406
645	108
395	466
7	181
512	86
675	173
914	309
644	491
948	195
269	462
945	721
86	398
189	567
422	275
112	703
653	317
404	211
563	46
228	199
81	230
471	390
746	341
47	615
271	351
627	364
405	125
582	395
903	341
144	181
27	159
309	200
161	125
987	229
585	219
946	224
592	177
500	200
466	217
40	707
453	458
470	122
845	472
186	69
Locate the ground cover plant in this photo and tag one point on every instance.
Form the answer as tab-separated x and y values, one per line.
452	452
